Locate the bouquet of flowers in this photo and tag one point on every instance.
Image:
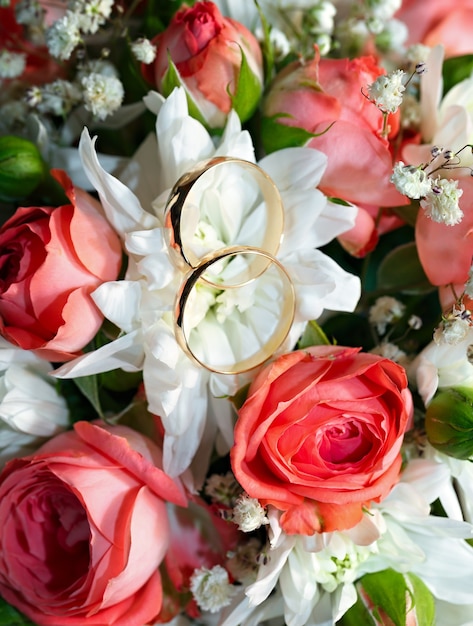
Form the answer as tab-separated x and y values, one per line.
236	382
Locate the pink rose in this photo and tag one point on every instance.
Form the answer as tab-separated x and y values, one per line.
208	50
319	436
52	259
85	528
436	22
313	95
446	252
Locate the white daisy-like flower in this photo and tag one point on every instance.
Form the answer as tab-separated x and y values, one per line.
226	212
441	202
411	181
387	91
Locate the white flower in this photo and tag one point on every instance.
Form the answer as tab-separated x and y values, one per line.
12	64
387	91
102	94
248	514
29	12
390	351
30	408
384	311
92	14
441	202
63	36
58	97
142	304
452	331
211	588
144	50
411	181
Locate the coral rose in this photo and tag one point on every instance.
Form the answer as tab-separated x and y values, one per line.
51	260
211	54
319	436
85	528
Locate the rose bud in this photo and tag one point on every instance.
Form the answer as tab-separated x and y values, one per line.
449	422
21	167
216	59
389	598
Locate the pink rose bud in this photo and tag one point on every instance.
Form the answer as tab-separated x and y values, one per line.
216	59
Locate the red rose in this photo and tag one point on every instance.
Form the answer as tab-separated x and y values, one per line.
85	528
207	50
51	260
323	94
319	436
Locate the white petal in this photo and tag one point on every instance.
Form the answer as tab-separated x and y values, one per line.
125	352
299	168
121	206
119	301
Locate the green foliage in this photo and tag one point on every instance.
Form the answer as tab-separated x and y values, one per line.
449	422
171	80
9	616
456	69
248	91
313	335
401	270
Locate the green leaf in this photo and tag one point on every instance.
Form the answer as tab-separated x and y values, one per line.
171	80
313	335
456	69
266	46
9	616
401	270
423	601
89	386
277	136
248	91
387	591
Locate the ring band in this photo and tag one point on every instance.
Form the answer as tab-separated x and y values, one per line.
273	229
285	316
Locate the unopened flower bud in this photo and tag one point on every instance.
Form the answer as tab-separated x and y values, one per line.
449	422
435	151
21	167
421	68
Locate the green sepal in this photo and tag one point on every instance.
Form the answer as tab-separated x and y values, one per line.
171	80
278	136
313	335
9	616
449	422
266	46
402	271
89	387
456	69
248	91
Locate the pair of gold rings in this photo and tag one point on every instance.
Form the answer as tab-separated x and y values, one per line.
250	262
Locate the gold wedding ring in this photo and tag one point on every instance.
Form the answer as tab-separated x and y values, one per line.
283	315
181	251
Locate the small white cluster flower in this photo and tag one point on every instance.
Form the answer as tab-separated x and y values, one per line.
248	514
222	488
411	115
278	40
411	181
211	588
12	64
56	98
418	53
390	351
454	327
92	14
384	311
143	50
387	91
393	36
415	322
441	203
103	95
64	36
29	13
382	10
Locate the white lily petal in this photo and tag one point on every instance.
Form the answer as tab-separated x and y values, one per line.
234	141
431	92
119	300
125	352
295	168
138	176
268	574
121	206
